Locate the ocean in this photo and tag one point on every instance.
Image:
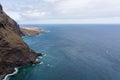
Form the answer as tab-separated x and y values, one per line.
74	52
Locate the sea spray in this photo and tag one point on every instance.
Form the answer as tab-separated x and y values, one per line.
7	76
40	57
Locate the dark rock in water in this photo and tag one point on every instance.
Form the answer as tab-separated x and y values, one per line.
39	54
14	51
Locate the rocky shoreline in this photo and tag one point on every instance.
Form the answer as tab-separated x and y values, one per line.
14	52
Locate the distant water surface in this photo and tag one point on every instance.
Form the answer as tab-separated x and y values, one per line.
74	52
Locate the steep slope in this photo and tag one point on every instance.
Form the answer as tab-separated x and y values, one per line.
13	50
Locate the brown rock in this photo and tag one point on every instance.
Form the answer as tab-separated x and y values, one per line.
31	31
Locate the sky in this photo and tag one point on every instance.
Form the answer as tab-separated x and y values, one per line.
63	11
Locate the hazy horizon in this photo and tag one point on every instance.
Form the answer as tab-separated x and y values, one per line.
63	11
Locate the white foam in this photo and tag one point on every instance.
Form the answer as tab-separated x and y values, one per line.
40	57
15	72
37	59
44	55
41	62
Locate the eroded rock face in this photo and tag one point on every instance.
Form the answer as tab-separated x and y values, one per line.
13	50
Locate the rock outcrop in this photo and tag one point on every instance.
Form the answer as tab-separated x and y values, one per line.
28	31
14	51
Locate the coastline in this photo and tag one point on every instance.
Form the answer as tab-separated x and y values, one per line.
31	31
7	76
12	45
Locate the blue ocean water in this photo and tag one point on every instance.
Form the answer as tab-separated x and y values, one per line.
74	52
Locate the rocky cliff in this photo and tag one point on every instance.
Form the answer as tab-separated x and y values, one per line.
13	50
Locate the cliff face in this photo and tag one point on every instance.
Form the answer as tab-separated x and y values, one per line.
13	50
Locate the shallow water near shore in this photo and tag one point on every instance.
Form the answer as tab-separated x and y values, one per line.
74	52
